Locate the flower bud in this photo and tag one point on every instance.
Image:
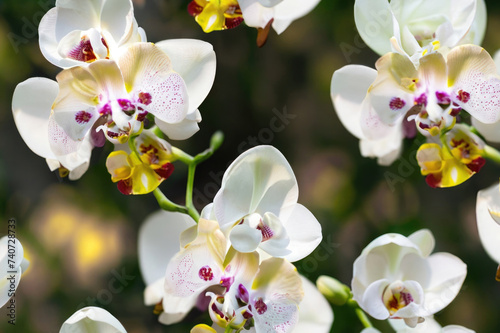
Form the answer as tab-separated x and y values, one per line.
335	292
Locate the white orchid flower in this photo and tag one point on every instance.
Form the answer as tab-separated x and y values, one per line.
76	32
396	277
430	325
159	241
349	89
13	265
488	221
257	207
240	288
31	106
436	92
92	320
419	27
280	13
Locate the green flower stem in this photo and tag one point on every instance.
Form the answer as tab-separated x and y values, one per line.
363	318
228	329
170	206
189	193
492	154
192	163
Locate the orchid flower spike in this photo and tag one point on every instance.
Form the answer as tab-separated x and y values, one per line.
420	27
76	32
257	207
397	277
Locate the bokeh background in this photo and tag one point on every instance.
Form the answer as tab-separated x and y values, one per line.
80	235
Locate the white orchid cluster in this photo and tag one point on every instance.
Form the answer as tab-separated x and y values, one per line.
234	261
114	86
431	72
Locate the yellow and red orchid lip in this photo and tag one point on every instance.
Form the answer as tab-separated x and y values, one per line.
447	168
214	15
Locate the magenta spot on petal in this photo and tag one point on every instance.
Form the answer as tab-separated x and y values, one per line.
243	293
83	117
126	105
397	104
145	98
442	97
463	96
206	273
105	110
266	231
83	51
260	306
407	298
141	116
421	100
227	282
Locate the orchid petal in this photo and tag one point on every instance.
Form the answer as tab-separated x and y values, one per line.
159	241
374	21
471	70
424	240
448	275
288	11
487	220
315	314
176	309
255	14
31	107
199	264
260	180
183	130
304	232
195	62
244	238
92	320
372	301
147	69
349	87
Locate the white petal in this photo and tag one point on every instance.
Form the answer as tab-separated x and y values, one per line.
269	3
386	149
254	14
259	181
244	238
159	242
472	70
424	240
92	320
195	62
315	314
148	69
456	329
430	325
183	130
489	229
349	87
491	132
117	18
176	308
374	21
31	107
448	275
153	294
199	265
304	232
290	10
372	302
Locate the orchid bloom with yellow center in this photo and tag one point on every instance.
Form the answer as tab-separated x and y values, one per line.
454	163
214	15
143	170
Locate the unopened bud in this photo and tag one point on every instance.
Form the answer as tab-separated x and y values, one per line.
216	140
335	292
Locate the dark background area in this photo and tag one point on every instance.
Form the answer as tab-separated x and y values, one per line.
78	235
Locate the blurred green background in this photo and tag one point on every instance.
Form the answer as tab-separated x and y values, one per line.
78	235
